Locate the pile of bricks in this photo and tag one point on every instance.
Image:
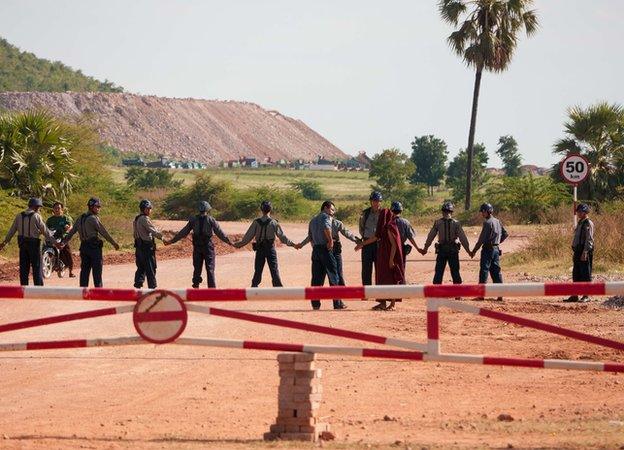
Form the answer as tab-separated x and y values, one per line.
299	400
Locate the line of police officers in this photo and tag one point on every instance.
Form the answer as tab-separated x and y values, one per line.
323	233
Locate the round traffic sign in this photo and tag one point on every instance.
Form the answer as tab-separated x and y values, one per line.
574	169
160	317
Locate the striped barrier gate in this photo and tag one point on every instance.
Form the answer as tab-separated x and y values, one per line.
160	317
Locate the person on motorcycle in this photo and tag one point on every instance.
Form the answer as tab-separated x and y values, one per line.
60	224
29	226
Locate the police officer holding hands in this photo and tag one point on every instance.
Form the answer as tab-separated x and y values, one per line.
368	227
448	231
145	235
29	226
89	228
263	231
203	227
492	234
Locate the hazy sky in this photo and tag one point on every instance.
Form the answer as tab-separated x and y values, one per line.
365	74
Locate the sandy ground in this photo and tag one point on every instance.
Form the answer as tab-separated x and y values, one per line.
181	397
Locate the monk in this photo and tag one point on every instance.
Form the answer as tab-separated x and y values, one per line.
389	258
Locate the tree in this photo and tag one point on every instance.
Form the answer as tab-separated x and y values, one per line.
597	132
151	178
35	153
456	172
486	40
309	189
429	156
508	152
527	196
392	170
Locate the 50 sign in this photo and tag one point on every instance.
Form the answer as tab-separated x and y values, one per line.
574	169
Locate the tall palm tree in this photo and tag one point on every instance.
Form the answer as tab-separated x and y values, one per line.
486	40
597	132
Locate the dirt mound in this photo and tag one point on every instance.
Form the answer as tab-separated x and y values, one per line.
208	131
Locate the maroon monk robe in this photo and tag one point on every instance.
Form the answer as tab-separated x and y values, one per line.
387	229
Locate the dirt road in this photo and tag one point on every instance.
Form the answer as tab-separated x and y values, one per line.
180	397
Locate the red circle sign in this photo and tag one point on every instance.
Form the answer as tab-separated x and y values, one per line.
160	317
574	169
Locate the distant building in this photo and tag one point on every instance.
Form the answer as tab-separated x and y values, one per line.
162	163
249	162
133	162
364	160
323	164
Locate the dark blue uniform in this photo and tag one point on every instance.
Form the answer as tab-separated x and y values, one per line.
203	228
323	260
368	226
448	231
492	234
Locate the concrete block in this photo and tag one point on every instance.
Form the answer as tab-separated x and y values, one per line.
304	357
286	357
307	437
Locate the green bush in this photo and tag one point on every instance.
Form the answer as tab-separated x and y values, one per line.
182	203
310	189
151	178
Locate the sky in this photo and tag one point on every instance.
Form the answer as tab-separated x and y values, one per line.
367	75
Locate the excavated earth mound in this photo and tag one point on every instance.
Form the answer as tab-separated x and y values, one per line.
188	129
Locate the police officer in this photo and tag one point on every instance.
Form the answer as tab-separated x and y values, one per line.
145	235
583	250
368	227
337	228
492	234
29	227
203	227
448	231
264	230
89	228
323	259
406	231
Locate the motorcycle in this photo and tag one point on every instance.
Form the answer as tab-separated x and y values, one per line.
51	260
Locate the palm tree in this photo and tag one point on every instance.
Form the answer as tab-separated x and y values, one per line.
35	153
486	40
597	132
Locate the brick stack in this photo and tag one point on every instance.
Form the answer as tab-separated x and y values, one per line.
299	400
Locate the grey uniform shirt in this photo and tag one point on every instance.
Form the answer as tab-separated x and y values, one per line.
317	227
448	231
89	227
368	227
584	235
337	228
492	233
406	230
211	228
260	231
28	224
144	229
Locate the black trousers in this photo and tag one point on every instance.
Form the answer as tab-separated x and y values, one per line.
145	257
442	259
30	258
582	270
204	255
490	265
324	264
91	260
66	256
369	254
266	253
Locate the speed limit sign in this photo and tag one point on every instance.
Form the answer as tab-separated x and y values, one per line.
574	169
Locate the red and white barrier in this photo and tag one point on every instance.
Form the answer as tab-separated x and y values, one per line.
323	293
73	343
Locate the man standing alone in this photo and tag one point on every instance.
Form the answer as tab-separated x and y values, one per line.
583	248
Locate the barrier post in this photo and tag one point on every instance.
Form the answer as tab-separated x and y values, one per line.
433	327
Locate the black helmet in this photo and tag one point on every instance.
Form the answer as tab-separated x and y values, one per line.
35	202
396	207
583	207
448	207
204	206
144	204
376	195
487	208
94	201
266	206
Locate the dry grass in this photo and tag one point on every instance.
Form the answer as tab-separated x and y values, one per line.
550	246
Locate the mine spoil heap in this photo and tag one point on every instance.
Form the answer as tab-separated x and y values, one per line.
208	131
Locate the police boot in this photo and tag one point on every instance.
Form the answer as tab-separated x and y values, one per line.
571	299
584	299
